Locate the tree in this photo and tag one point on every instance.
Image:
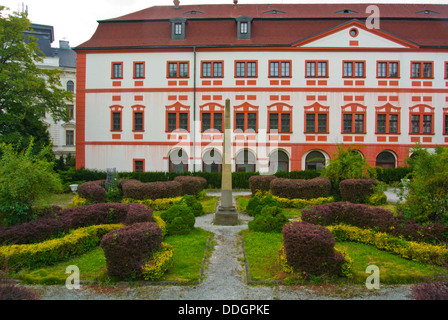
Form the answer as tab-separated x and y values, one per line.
24	177
26	91
348	163
426	199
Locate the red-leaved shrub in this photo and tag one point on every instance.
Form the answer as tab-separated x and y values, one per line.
365	216
72	218
191	185
93	191
128	248
356	190
309	248
260	182
301	189
135	189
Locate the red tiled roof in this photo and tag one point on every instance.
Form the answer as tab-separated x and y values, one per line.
216	26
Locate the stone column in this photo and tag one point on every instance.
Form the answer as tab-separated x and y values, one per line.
226	213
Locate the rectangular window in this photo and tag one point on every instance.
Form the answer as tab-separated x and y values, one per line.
310	122
206	121
138	121
139	70
446	124
212	69
239	121
393	123
69	138
178	70
421	70
245	69
286	122
172	121
316	69
139	165
427	123
217	121
71	111
252	121
178	28
446	70
381	123
279	69
347	123
117	70
354	69
415	124
387	69
359	123
116	121
244	27
183	121
322	122
273	122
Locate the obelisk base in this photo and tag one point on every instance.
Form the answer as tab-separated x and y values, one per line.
226	216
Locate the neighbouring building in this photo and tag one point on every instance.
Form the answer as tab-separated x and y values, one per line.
301	78
62	134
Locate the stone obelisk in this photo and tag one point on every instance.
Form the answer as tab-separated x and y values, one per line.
226	213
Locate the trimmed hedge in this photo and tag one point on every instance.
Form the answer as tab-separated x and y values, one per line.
150	190
270	219
93	191
191	185
357	190
412	250
73	218
128	248
161	260
179	219
302	189
261	183
52	251
382	220
310	249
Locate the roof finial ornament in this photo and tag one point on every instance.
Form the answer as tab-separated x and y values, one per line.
176	3
235	2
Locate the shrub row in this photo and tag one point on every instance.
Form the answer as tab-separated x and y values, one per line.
72	218
191	185
156	267
270	219
382	220
310	249
52	251
155	204
416	251
127	249
260	183
357	190
302	189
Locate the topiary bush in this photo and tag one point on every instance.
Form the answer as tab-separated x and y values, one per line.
260	182
301	189
179	220
127	249
135	189
257	203
93	191
310	249
194	205
191	185
270	219
357	190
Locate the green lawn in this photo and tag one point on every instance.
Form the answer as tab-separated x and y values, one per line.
188	255
262	255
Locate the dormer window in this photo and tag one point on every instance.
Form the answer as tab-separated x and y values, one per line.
244	28
178	28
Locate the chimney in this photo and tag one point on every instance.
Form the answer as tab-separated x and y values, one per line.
64	44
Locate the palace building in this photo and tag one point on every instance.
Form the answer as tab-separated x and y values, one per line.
301	78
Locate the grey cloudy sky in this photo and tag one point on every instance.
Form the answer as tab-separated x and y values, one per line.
76	21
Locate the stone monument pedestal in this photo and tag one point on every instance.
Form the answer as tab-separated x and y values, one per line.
226	215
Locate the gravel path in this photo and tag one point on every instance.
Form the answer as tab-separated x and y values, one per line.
225	279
